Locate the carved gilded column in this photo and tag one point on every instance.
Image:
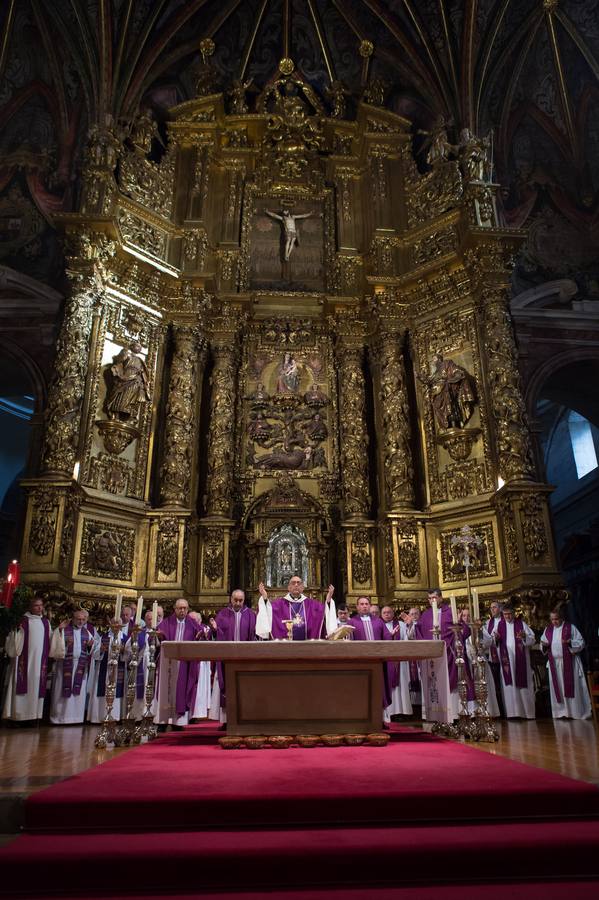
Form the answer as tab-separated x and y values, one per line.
358	531
513	443
355	488
187	369
67	388
222	425
217	526
398	468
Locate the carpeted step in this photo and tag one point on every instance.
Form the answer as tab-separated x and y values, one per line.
525	890
187	861
182	782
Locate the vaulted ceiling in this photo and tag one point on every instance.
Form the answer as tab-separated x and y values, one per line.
527	69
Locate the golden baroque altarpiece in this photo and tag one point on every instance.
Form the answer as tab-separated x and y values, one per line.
285	349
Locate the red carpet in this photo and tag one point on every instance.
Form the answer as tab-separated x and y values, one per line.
199	785
420	815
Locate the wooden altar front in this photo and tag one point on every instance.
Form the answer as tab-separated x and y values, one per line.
303	687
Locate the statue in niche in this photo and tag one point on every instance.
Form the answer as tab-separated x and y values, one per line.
288	377
290	230
286	556
437	145
337	95
474	154
239	106
128	384
452	393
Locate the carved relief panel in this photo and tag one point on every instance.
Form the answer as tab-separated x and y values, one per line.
453	408
289	400
120	414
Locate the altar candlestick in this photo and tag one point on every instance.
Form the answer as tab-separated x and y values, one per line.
454	609
154	614
435	614
140	608
117	606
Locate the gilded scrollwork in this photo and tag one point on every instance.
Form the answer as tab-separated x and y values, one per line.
167	551
398	466
514	450
195	247
534	533
67	388
179	440
148	183
361	560
141	234
408	551
507	519
214	557
45	506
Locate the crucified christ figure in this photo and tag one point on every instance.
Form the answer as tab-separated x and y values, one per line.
288	221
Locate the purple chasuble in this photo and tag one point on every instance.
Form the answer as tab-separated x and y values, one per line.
380	632
567	662
225	631
168	628
521	678
311	610
23	661
71	686
424	632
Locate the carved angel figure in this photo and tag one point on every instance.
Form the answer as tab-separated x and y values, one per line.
127	383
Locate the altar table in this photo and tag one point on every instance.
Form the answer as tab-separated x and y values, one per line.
302	687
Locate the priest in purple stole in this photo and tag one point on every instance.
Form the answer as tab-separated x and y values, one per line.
563	643
72	648
369	628
424	632
398	673
514	639
28	648
312	619
236	622
174	682
489	643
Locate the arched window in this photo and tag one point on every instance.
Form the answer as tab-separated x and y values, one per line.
583	445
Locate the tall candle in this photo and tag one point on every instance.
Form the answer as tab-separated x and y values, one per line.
154	613
140	609
475	605
435	614
117	606
454	609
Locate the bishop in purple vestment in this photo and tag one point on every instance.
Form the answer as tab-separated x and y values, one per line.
312	619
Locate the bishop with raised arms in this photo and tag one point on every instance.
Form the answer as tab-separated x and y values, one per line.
311	619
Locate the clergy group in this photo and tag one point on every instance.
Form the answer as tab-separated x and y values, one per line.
68	664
